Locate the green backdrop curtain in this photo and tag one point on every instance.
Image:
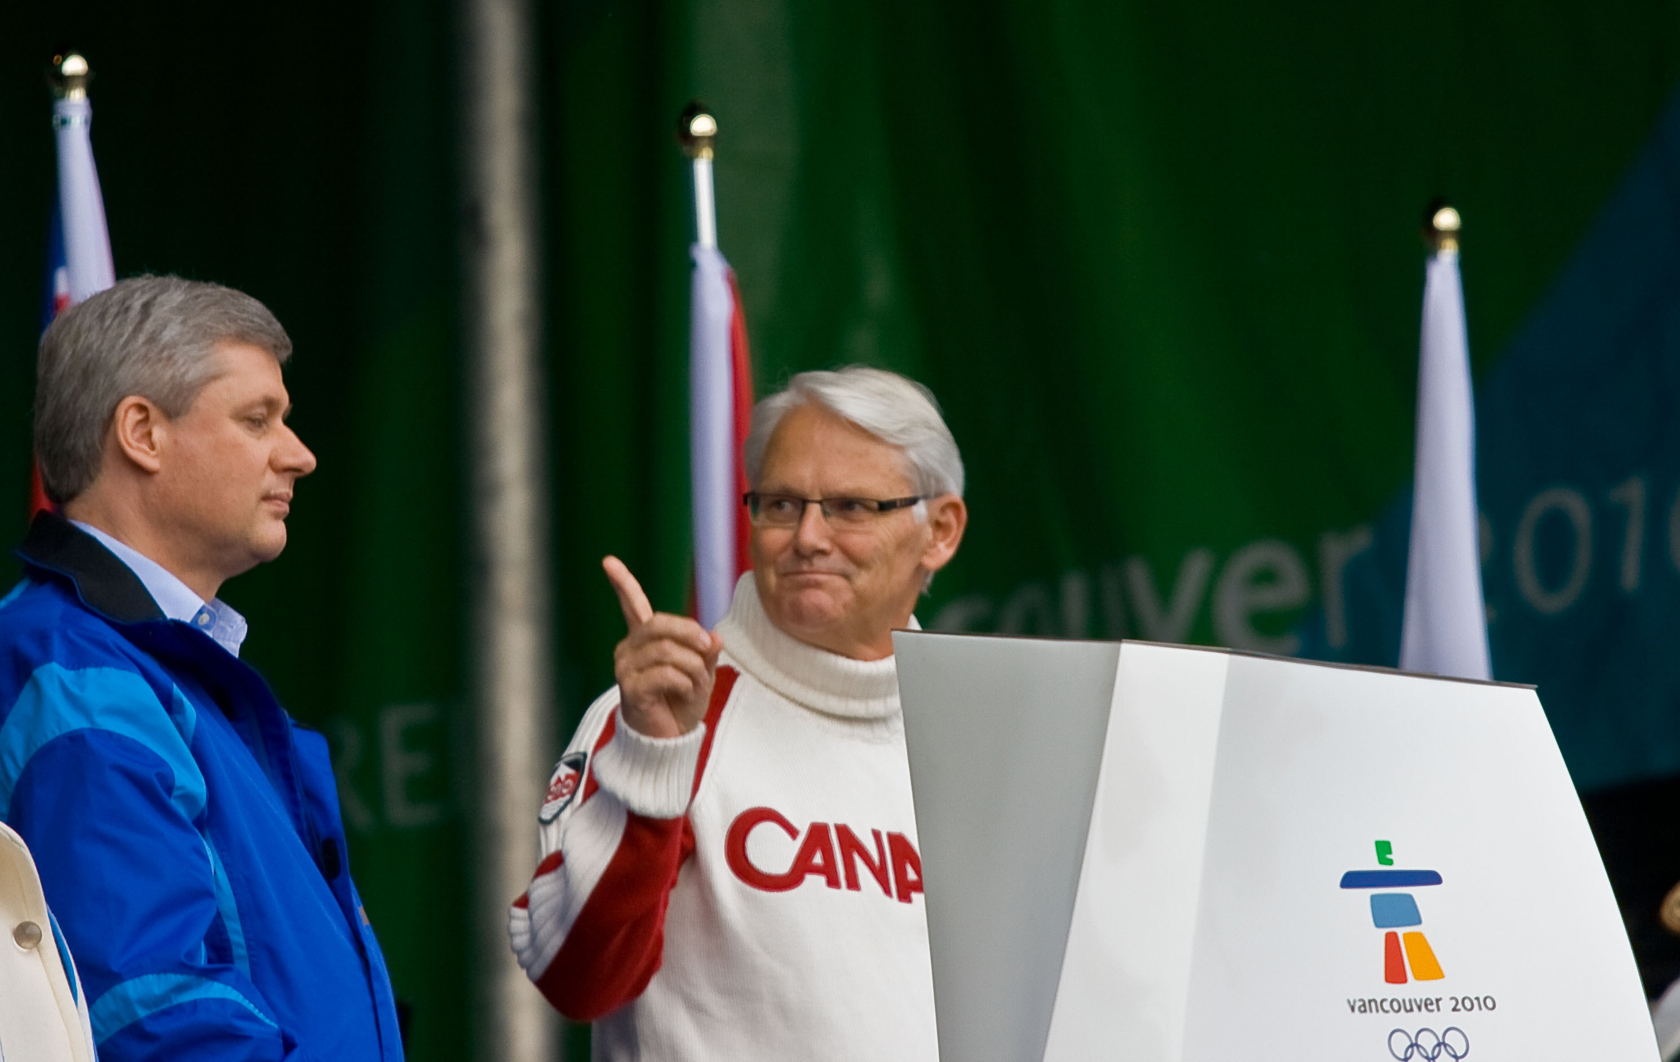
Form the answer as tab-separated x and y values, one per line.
1159	263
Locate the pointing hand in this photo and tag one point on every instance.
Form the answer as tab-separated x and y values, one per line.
665	665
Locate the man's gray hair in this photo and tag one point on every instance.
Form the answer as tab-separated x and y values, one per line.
893	408
149	336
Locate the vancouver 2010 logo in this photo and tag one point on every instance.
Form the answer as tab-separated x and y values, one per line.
1426	1046
1393	911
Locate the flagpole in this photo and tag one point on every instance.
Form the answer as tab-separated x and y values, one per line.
1444	625
79	255
512	622
714	491
1442	229
696	129
81	206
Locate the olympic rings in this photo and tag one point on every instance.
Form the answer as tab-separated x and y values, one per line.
1426	1046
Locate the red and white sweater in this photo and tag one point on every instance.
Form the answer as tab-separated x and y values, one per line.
749	890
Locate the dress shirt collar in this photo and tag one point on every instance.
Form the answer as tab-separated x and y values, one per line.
177	601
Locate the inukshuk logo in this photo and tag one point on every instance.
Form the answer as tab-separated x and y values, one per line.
1393	911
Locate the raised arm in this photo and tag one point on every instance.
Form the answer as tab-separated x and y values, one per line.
589	930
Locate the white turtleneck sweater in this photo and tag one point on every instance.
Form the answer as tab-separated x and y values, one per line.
746	891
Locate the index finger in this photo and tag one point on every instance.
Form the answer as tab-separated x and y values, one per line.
634	603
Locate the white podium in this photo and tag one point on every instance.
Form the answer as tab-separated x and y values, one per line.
1144	852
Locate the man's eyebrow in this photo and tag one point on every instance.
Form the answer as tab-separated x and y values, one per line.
270	406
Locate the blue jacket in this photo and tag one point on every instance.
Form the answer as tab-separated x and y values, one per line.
186	830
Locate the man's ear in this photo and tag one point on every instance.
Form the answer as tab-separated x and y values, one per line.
139	430
947	517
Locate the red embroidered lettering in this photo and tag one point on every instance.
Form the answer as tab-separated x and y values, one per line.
905	863
735	850
852	849
816	856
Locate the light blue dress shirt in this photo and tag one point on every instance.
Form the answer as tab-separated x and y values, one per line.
216	618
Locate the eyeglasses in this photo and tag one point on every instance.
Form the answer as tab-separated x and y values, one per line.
787	510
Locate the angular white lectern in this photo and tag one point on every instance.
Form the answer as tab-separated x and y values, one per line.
1166	854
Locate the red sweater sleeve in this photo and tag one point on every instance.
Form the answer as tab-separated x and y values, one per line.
590	928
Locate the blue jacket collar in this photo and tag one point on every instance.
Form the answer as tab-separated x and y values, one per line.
57	548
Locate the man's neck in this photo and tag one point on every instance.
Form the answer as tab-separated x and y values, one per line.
121	523
871	643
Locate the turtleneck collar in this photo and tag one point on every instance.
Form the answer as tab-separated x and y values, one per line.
812	677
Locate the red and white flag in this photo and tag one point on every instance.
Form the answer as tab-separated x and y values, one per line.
79	248
719	406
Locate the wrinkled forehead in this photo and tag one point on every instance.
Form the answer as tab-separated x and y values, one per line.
814	448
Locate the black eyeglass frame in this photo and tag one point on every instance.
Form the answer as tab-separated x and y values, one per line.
881	505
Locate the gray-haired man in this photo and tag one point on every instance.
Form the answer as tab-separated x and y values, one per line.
731	868
186	832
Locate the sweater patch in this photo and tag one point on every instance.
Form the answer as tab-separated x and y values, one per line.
564	786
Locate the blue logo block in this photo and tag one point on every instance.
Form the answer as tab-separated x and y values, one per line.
1394	910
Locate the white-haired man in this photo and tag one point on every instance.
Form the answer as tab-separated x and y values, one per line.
730	867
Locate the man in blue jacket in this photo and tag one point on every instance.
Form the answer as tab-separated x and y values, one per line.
186	830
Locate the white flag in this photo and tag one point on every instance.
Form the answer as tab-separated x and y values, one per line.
1445	626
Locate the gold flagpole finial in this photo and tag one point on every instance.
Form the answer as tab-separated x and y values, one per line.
1441	225
70	75
695	129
